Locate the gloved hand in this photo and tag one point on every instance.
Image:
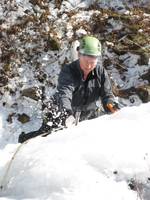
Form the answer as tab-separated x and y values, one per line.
111	107
70	120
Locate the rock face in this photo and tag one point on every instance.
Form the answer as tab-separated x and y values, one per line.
3	79
37	38
32	93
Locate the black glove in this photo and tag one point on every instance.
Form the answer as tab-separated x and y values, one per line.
111	107
23	137
44	129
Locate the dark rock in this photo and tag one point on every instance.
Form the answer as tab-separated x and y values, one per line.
23	118
41	76
32	93
115	172
144	59
143	94
146	76
4	103
10	117
3	78
52	44
132	186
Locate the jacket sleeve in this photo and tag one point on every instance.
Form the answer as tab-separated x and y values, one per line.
106	88
65	88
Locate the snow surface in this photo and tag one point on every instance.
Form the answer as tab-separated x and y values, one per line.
95	160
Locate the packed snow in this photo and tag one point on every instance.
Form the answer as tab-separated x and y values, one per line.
101	158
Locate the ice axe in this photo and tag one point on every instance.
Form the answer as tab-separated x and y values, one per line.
77	117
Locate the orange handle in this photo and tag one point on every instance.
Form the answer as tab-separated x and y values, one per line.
111	107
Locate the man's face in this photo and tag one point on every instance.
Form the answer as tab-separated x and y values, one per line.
87	63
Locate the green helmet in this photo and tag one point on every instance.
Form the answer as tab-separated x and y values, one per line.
90	45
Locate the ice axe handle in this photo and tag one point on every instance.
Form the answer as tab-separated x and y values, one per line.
77	117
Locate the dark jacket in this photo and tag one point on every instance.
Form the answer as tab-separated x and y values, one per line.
76	94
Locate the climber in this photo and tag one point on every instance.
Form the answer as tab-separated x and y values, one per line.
84	88
83	92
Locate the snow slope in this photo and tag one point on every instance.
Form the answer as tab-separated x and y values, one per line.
99	159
